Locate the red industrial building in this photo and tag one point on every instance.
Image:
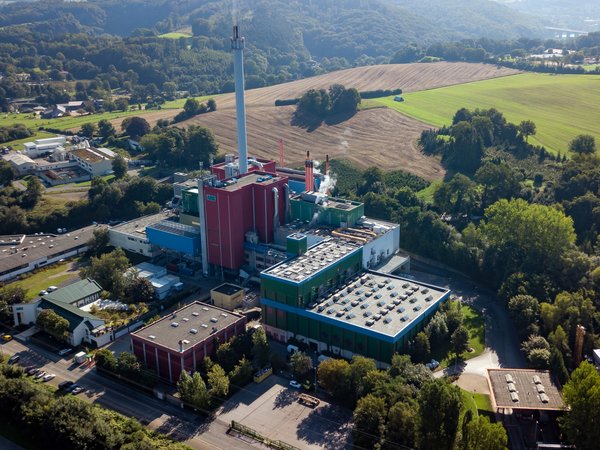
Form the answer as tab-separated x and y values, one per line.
183	339
230	168
254	202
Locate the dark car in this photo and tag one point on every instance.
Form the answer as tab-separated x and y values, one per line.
72	388
13	359
33	371
65	385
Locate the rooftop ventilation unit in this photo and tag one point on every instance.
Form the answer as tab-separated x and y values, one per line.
339	313
367	314
185	342
364	306
350	316
369	322
511	387
514	397
508	378
404	318
390	287
195	314
185	319
377	316
537	380
152	337
194	331
174	324
223	315
540	389
204	325
544	398
330	311
214	319
417	308
424	291
429	298
204	308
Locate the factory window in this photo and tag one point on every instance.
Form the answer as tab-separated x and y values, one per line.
211	198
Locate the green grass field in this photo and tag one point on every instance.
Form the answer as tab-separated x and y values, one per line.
178	104
175	35
562	106
52	276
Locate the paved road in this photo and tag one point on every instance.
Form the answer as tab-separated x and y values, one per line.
158	415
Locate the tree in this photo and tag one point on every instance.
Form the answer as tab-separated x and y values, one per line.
557	366
53	324
420	348
108	270
218	381
334	377
122	104
369	422
261	350
524	310
458	196
520	235
33	193
88	129
211	104
402	425
191	107
106	129
139	290
192	390
527	128
582	397
227	357
106	359
119	167
9	295
499	181
459	340
99	242
480	434
7	173
439	412
135	127
128	365
583	144
242	373
437	328
300	363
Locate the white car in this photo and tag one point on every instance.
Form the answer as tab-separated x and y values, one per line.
52	288
295	384
48	377
64	351
40	374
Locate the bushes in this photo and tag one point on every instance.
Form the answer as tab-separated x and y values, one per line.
379	93
287	102
14	132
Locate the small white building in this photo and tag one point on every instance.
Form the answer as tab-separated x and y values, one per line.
95	161
41	147
162	282
22	164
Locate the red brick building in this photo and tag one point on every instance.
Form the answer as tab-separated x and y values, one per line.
183	339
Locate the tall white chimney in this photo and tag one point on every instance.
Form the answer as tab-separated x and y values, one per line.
237	46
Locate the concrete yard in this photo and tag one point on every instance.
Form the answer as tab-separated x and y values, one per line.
271	408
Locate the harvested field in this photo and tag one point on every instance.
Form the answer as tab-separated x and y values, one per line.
374	137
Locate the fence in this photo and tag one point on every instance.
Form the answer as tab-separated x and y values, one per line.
236	426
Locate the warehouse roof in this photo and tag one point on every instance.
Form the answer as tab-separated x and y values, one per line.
316	259
71	313
227	289
524	389
192	323
41	247
74	292
234	184
138	226
382	303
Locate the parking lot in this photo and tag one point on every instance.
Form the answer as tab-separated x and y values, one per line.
272	409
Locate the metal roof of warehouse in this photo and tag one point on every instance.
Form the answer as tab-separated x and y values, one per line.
524	389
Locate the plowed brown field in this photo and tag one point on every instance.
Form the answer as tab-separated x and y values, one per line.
379	137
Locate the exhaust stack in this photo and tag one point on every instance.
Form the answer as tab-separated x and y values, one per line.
237	46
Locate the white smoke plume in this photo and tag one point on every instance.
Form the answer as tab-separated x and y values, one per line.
328	182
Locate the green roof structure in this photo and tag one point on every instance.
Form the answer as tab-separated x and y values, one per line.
72	313
74	292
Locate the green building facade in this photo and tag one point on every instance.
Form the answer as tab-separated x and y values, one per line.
335	212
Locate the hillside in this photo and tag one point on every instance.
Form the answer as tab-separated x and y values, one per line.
562	106
372	137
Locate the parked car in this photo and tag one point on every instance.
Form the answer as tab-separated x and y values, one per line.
40	374
64	351
33	371
14	359
65	385
7	337
432	365
77	390
52	288
48	377
295	384
43	292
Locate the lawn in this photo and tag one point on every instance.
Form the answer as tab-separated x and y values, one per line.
51	276
88	183
65	123
426	194
478	403
178	103
175	35
562	106
475	323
